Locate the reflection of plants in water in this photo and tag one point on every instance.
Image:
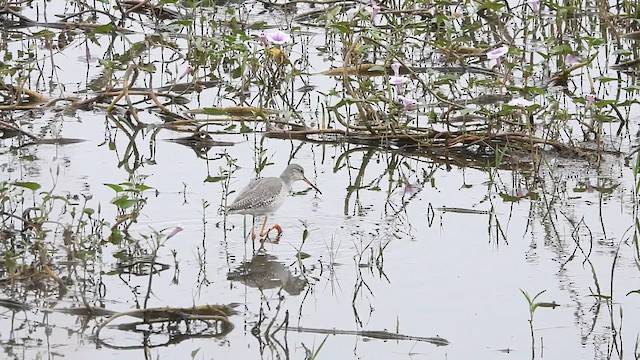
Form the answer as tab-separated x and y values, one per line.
31	224
370	255
38	267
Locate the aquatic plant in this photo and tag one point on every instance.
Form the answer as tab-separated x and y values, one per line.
497	54
398	82
407	102
278	37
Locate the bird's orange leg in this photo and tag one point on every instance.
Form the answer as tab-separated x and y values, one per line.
278	228
264	224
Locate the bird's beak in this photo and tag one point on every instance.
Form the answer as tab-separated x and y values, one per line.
311	184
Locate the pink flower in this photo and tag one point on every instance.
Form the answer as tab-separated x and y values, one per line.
535	5
520	192
497	54
176	230
411	189
375	10
571	59
520	102
457	15
278	37
396	68
408	103
589	100
263	38
398	81
188	71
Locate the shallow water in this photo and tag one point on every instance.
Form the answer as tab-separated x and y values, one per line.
459	278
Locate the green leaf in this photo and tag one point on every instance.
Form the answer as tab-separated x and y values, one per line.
116	237
124	202
116	188
532	195
258	25
342	28
605	79
213	179
603	103
47	34
150	67
143	187
561	49
33	186
245	129
103	29
594	42
490	5
552	305
510	198
332	13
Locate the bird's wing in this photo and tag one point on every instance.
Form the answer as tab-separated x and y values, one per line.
264	189
247	189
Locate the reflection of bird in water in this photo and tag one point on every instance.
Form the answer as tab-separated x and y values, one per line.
264	196
265	272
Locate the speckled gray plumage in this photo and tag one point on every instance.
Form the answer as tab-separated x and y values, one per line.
266	195
259	194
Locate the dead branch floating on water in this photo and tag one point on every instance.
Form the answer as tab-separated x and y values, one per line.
8	128
146	7
218	313
24	21
379	70
234	111
384	335
431	140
